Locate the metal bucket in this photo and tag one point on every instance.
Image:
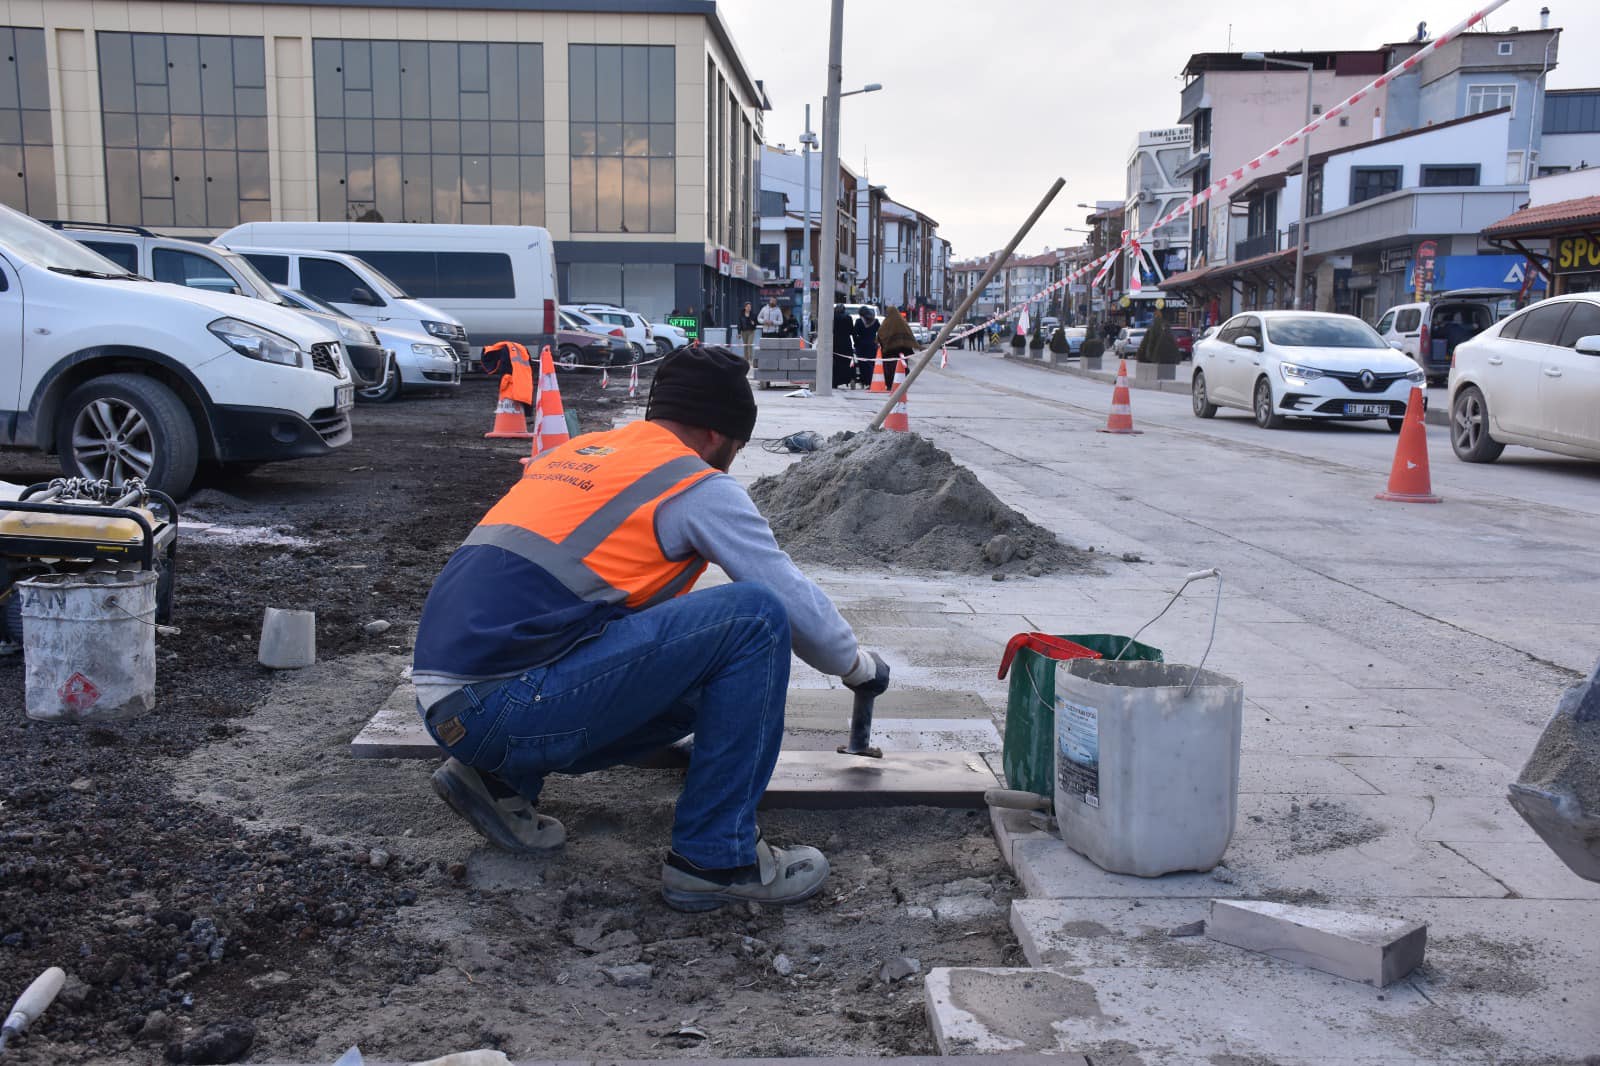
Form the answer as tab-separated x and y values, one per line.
89	645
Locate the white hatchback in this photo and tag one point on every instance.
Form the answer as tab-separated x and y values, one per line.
1531	379
1302	364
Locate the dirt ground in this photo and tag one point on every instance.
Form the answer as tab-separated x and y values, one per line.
220	875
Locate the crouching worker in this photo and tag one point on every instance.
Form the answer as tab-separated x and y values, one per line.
562	637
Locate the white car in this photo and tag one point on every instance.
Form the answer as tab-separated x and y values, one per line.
1302	364
123	377
635	330
669	338
1531	379
1128	340
416	359
920	333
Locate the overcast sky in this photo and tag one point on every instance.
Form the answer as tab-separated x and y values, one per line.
985	102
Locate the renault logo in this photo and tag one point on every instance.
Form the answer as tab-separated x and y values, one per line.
1368	379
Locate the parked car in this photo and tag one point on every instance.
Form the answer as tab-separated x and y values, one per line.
920	333
497	283
1429	331
1532	379
1075	336
1128	339
1302	364
669	338
575	345
355	287
413	360
635	330
1184	336
122	377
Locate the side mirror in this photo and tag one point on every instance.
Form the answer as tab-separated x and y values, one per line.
1589	345
1247	340
364	296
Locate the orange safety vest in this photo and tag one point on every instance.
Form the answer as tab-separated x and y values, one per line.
517	385
585	513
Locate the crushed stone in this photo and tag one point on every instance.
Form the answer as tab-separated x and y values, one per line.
1567	756
1321	825
871	499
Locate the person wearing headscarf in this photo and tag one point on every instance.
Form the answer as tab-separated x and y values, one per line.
895	339
844	346
865	336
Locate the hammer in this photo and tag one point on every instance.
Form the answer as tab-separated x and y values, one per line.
866	694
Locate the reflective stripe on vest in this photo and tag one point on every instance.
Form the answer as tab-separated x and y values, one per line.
584	512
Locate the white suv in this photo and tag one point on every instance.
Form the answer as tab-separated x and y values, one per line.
636	331
124	377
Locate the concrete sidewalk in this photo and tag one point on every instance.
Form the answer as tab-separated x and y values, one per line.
1438	398
1398	663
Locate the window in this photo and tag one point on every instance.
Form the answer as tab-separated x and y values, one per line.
1434	177
1369	182
446	275
1583	322
1505	48
1481	98
1408	320
1542	325
188	268
429	131
623	101
121	253
275	268
1512	330
1573	111
331	281
184	121
27	158
1386	322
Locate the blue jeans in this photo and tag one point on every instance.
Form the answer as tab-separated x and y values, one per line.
713	663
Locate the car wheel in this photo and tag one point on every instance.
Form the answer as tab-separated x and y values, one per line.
637	351
1396	425
663	347
1267	416
125	426
1469	428
568	357
1203	407
388	392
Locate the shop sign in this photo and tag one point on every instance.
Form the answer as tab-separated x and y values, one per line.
690	324
1576	255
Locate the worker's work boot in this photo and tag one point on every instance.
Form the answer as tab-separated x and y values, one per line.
501	816
779	875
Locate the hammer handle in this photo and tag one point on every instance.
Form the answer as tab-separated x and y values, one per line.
35	999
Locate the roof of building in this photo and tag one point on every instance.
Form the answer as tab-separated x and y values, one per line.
1551	220
1357	62
1265	183
1318	158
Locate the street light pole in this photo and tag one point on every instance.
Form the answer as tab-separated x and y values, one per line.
1305	172
807	141
830	200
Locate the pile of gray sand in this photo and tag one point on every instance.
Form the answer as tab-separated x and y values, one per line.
1567	757
895	499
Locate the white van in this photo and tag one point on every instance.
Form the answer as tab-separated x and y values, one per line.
498	281
367	295
124	377
1428	332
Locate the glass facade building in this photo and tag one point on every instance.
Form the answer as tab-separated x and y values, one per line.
27	158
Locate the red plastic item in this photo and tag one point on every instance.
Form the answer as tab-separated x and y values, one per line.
1044	644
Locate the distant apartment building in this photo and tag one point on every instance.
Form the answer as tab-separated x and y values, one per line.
783	174
1154	190
630	131
906	273
1571	131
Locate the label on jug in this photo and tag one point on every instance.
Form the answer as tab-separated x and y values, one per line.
1078	737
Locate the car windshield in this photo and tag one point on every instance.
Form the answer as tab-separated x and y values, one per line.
264	289
308	301
1309	332
43	246
390	289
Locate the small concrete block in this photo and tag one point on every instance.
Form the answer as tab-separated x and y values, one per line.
1360	947
1010	827
816	780
985	1011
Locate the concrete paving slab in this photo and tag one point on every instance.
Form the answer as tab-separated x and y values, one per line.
1358	947
1064	933
1010	827
1318	738
1486	819
903	735
814	708
1532	871
1360	711
814	780
1049	869
1434	776
1306	775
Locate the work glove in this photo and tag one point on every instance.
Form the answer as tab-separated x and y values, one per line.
870	675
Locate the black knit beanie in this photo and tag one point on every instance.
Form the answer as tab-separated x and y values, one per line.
704	386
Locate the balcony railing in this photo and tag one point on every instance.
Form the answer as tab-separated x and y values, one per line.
1254	246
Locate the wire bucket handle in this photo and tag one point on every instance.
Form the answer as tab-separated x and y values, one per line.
1198	575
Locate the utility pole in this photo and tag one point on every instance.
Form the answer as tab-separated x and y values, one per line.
807	140
830	200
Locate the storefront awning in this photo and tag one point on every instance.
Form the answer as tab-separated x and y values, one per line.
1549	220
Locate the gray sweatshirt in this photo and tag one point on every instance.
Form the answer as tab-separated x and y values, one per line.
716	520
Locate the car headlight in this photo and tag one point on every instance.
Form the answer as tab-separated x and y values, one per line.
353	332
447	330
256	342
431	351
1296	374
1417	376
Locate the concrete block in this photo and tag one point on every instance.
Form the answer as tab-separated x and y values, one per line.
1011	827
985	1011
826	780
288	639
1377	951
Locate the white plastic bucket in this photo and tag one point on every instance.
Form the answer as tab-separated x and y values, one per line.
89	645
1147	778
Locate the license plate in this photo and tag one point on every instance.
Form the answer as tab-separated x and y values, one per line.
344	397
1366	408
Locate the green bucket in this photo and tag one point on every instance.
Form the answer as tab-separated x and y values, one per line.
1028	756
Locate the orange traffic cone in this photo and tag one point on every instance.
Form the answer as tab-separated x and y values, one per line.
516	392
1409	481
550	418
1120	420
897	420
879	382
510	421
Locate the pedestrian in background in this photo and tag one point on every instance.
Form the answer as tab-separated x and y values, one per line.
844	347
747	330
770	319
866	341
895	339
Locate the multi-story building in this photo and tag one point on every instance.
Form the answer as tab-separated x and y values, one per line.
905	274
1571	131
939	280
1154	189
783	171
629	131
